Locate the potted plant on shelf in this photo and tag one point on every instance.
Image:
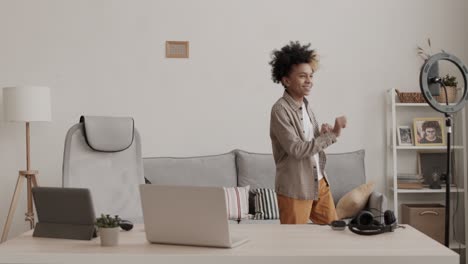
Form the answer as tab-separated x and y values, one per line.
108	228
450	82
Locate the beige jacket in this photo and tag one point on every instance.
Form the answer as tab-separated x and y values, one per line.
296	171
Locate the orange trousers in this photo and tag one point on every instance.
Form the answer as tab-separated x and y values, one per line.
321	211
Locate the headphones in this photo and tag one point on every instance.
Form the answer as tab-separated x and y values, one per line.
365	224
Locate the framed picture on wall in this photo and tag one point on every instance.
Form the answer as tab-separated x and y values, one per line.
405	137
429	131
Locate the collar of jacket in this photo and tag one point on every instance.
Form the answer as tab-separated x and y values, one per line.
293	103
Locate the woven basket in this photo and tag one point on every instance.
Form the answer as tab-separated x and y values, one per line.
411	97
451	95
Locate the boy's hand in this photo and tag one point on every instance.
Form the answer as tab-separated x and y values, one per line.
325	128
340	123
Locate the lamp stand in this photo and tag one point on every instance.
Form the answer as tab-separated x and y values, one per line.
448	124
30	176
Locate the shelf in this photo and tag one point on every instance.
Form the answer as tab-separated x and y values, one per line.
414	104
427	148
427	190
405	158
411	104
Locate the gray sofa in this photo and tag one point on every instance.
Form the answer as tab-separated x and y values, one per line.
345	171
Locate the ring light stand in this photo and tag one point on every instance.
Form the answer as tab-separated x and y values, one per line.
429	88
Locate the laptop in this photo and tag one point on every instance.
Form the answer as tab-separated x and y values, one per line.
187	215
64	213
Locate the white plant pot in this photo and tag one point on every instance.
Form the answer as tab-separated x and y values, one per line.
109	236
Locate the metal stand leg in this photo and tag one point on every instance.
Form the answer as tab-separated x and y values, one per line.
448	124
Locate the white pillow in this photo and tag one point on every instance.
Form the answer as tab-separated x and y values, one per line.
237	201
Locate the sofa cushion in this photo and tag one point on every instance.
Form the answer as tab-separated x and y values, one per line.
266	204
257	170
345	171
216	170
354	201
377	204
237	200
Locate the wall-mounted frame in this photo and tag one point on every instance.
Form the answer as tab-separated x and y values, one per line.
177	49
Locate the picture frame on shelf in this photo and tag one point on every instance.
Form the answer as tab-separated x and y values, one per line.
405	136
429	131
433	167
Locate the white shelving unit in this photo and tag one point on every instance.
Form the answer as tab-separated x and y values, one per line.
403	159
427	190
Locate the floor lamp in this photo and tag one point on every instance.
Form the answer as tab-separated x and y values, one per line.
429	88
25	104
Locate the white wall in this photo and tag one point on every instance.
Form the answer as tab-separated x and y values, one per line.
107	58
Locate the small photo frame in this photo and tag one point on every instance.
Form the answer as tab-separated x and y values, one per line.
429	131
405	136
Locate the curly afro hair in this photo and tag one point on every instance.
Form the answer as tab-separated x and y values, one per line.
289	55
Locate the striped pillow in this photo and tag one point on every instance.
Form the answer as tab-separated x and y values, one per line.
266	204
237	199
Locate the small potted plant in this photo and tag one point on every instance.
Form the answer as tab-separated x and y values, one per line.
450	81
109	229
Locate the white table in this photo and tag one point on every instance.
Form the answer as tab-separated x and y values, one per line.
268	244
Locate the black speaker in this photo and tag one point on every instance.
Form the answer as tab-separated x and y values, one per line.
365	224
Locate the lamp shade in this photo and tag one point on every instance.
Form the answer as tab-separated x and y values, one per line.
26	103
